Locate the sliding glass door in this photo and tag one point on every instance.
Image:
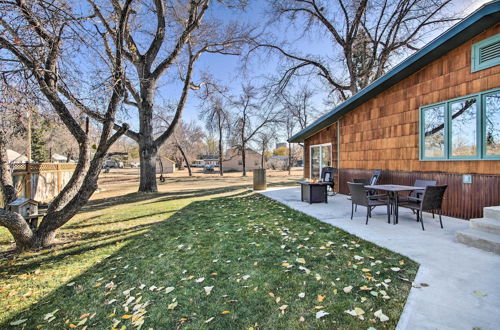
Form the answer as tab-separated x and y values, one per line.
320	156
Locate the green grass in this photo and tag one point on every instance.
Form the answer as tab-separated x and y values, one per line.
244	245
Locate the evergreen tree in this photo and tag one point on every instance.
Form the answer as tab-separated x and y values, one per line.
39	152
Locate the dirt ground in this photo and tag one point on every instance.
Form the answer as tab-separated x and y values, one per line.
124	181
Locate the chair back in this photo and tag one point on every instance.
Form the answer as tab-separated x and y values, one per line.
358	193
433	198
423	184
327	174
363	181
375	177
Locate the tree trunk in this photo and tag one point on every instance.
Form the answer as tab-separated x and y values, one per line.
185	160
243	159
148	153
221	170
8	190
289	158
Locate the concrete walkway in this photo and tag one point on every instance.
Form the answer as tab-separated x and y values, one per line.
457	275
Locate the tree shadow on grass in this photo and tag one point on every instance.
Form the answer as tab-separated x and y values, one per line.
139	251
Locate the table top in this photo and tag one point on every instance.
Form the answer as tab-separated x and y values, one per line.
393	187
315	183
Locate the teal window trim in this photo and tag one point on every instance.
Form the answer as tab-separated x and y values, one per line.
449	120
480	131
422	131
475	64
483	127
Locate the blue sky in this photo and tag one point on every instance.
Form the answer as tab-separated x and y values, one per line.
226	68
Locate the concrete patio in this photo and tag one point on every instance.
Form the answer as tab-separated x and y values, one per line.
464	282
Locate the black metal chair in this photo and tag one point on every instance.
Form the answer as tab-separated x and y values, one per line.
360	196
328	175
432	200
372	181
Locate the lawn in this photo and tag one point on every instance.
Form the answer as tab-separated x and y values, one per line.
221	259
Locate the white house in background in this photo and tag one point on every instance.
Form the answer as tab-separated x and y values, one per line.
233	160
15	157
164	165
57	158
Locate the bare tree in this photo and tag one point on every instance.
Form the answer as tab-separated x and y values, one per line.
181	35
35	38
298	105
251	115
186	142
369	35
215	113
264	139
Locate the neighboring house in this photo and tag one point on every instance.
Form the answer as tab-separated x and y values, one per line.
207	160
14	157
164	165
57	158
278	162
435	116
233	161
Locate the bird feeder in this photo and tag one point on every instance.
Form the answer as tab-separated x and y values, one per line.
24	206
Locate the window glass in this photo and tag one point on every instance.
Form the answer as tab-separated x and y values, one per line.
326	156
315	158
464	128
434	138
492	123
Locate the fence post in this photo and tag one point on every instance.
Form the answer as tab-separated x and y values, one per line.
59	173
28	180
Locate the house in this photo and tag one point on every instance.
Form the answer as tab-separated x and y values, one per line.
435	116
206	160
234	162
57	158
14	157
164	165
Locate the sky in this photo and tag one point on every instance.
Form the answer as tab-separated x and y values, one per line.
226	68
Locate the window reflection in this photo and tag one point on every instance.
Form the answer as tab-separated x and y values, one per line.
434	132
464	128
492	123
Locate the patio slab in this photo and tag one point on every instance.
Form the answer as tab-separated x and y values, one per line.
457	275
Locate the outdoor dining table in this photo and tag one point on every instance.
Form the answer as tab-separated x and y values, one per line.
393	191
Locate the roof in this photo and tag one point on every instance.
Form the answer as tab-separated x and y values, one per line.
15	157
21	201
480	20
59	157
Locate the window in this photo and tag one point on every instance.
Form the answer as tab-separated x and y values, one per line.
492	124
486	53
320	156
467	128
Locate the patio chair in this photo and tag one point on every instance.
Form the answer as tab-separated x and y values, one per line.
328	175
432	200
360	196
372	181
416	195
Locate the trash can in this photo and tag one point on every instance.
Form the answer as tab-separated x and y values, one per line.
259	179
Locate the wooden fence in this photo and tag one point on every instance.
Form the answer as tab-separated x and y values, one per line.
41	181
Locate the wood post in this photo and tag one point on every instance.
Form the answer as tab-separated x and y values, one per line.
59	173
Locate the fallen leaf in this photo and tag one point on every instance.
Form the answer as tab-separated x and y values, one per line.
395	269
225	312
321	314
302	319
300	260
18	322
169	289
302	295
172	305
321	298
210	320
208	289
382	317
199	280
271	294
479	293
348	289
